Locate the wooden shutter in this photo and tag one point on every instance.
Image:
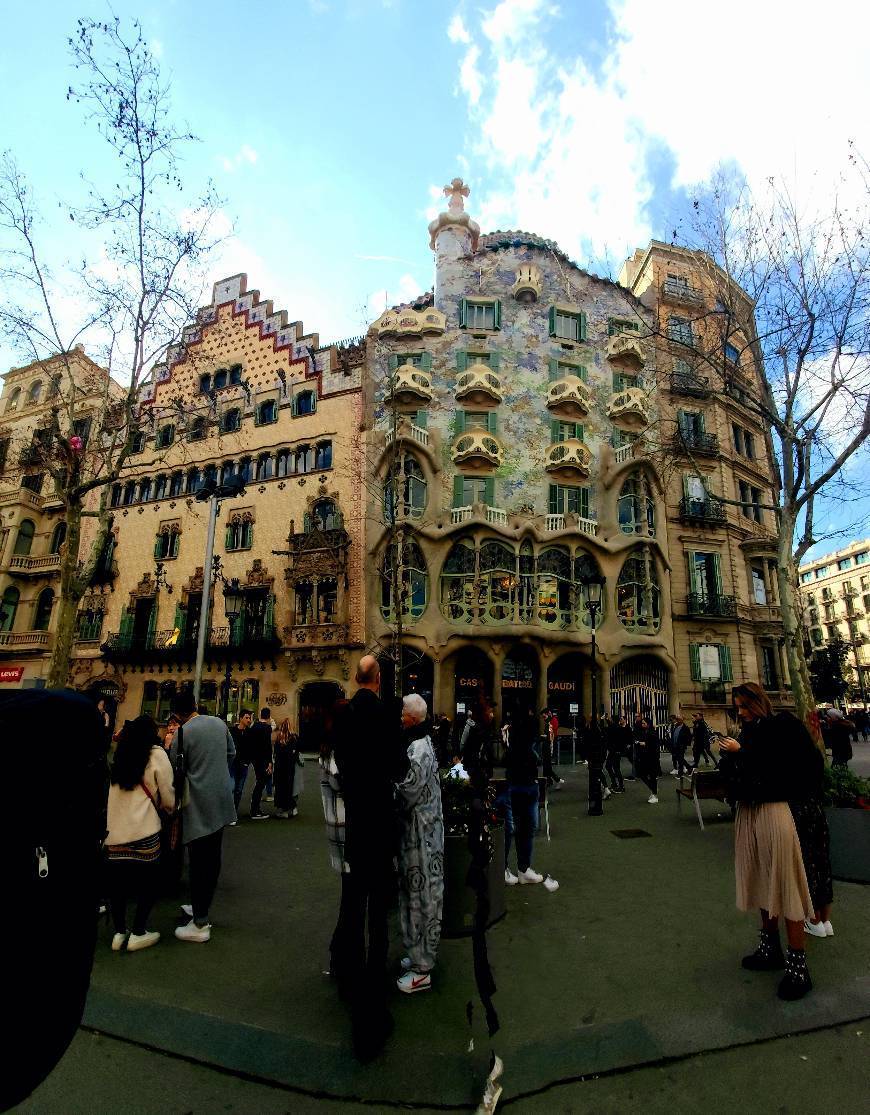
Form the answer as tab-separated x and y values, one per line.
725	662
152	623
693	571
579	431
126	623
458	490
584	503
392	364
555	431
496	315
157	542
495	360
684	423
554	499
270	615
582	373
426	361
582	330
461	361
695	661
180	621
463	313
489	491
554	371
552	321
717	573
228	537
492	422
421	418
460	422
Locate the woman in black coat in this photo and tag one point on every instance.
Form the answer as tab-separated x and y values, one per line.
646	757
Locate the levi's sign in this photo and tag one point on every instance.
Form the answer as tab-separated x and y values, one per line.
11	673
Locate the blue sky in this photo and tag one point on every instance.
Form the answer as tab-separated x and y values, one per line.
329	126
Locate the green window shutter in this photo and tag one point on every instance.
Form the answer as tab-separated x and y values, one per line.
554	499
492	422
496	315
392	362
489	491
583	374
717	573
421	418
126	624
555	431
461	361
495	360
695	661
685	486
460	422
157	546
248	531
270	613
554	372
582	327
426	362
584	503
702	425
725	663
228	538
684	423
552	321
617	381
152	624
463	313
180	617
579	432
458	490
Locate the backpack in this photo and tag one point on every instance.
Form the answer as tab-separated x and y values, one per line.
55	820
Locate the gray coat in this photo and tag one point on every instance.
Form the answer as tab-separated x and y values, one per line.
208	751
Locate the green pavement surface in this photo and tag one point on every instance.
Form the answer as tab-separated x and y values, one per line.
633	962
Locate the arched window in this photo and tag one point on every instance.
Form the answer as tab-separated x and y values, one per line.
33	395
498	583
209	475
231	420
239	534
198	429
176	484
457	583
284	462
265	465
89	625
194	481
305	459
554	588
635	506
304	403
325	515
586	566
160	487
14	400
58	538
115	500
165	436
637	592
246	469
526	587
24	538
145	490
166	544
304	611
9	608
235	374
323	455
137	441
267	412
42	612
129	493
204	384
220	379
405	489
228	471
408	569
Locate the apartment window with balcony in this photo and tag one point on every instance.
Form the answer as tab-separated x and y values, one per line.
558	369
33	482
769	667
866	600
422	360
476	420
623	380
829	612
826	593
759	588
81	428
680	330
814	615
705	577
473	489
567	500
239	534
563	431
750	501
479	314
865	583
566	325
833	632
4	452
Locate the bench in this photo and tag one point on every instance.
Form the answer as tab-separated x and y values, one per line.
705	786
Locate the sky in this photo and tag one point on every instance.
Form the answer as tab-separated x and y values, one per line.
329	127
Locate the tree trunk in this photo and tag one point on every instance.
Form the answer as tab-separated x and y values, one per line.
805	704
59	670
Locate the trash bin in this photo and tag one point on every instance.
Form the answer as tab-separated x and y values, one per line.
459	898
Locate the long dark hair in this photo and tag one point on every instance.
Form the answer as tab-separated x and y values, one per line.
135	741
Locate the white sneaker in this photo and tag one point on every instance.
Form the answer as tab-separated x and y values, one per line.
406	963
412	982
118	942
829	929
605	793
815	929
142	941
675	773
510	878
652	800
193	932
530	876
551	884
187	909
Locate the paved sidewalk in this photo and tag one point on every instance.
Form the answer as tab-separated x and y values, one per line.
634	961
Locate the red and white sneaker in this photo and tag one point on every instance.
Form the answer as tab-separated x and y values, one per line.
411	982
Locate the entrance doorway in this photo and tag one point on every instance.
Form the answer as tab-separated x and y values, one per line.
565	687
639	686
519	683
472	681
316	702
143	622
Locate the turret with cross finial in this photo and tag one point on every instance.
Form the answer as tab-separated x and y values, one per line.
452	234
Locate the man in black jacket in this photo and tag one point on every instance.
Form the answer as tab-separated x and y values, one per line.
259	748
681	737
371	758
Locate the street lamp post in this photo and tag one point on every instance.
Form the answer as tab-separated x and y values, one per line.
212	493
233	601
594	585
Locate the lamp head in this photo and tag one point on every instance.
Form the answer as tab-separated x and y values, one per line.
234	598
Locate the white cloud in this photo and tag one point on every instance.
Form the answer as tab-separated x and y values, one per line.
470	78
406	289
457	32
245	155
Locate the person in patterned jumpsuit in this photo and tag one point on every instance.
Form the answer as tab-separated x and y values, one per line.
421	852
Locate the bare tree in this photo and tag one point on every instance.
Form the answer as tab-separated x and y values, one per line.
144	245
793	285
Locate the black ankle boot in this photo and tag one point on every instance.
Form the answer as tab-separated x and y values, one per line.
796	982
768	956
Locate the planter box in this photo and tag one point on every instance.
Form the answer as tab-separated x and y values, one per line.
459	898
850	843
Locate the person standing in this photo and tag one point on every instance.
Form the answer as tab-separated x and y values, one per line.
618	741
140	792
681	737
421	852
371	758
839	737
259	745
521	773
206	749
646	757
286	758
701	741
770	765
242	760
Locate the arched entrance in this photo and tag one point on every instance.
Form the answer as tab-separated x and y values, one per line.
316	702
565	683
519	682
472	679
639	686
418	675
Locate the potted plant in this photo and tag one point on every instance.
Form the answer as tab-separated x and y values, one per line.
458	800
846	798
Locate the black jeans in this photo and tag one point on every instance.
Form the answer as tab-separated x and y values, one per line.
649	780
128	879
205	870
701	752
679	758
259	786
613	767
363	945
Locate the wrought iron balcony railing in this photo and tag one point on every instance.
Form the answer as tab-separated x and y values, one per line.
701	604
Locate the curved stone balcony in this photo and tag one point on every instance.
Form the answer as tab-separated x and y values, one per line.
568	460
629	409
410	323
628	350
528	283
477	449
478	385
411	385
568	397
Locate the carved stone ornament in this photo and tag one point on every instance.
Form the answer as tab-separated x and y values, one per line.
258	576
